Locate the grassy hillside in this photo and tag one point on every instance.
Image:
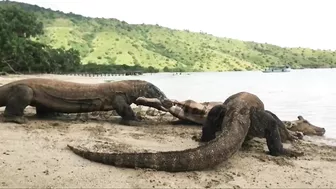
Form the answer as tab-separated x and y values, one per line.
110	41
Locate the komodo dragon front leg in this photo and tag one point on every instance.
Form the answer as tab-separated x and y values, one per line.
265	125
45	113
19	97
123	109
285	134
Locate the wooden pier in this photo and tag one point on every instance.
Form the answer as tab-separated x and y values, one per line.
126	73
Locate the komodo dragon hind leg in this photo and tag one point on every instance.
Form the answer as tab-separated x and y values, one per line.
44	113
125	111
264	123
19	98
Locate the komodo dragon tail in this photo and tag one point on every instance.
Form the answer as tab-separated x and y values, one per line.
205	156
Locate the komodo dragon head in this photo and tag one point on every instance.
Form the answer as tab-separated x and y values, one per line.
304	126
152	91
146	95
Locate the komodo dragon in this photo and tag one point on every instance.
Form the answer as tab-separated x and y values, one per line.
192	112
51	96
243	114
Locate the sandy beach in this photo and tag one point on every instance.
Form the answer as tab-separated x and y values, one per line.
35	155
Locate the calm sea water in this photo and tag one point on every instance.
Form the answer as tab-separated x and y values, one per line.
308	92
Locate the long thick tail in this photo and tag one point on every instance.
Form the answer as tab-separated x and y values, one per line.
205	156
161	161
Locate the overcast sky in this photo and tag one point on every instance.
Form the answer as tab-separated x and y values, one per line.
289	23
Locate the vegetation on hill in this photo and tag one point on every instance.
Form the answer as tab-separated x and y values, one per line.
112	43
20	54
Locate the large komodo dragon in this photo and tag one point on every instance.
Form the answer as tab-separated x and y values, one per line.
241	116
51	96
191	112
195	113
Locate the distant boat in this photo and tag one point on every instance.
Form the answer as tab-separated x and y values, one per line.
277	69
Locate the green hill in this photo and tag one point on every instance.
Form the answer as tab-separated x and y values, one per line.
110	41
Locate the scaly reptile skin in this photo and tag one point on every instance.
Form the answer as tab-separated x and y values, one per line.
51	96
240	114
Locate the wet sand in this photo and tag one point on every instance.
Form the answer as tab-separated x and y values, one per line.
35	155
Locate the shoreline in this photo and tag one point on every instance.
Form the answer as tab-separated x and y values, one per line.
144	73
35	155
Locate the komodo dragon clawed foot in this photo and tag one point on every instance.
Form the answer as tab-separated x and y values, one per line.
128	116
130	122
16	119
290	153
44	113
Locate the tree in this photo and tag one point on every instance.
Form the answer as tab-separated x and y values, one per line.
166	69
18	53
20	23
